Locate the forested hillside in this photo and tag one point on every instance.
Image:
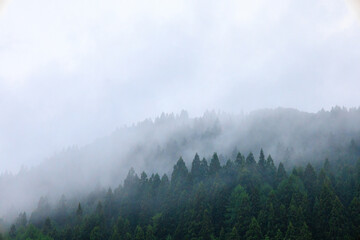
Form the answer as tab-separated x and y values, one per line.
291	136
248	197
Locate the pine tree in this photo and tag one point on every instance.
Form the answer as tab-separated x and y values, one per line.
79	211
206	226
12	232
240	161
234	234
150	233
270	171
214	164
239	210
305	233
139	233
324	210
354	211
262	163
48	227
337	222
250	160
310	180
290	232
179	174
196	173
279	235
281	173
222	234
254	231
96	234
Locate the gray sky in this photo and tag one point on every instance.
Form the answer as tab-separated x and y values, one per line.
71	71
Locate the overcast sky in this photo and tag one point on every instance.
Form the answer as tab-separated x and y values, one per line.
72	71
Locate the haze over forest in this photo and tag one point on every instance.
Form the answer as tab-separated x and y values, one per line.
154	146
71	72
93	94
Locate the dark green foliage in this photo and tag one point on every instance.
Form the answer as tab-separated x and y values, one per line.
214	164
240	200
261	162
79	211
354	212
279	235
240	160
281	173
239	210
12	232
254	231
179	175
96	234
196	173
234	235
206	226
305	233
139	233
150	233
250	160
290	232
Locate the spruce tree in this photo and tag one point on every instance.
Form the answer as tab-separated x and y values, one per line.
139	233
254	231
261	162
234	235
214	164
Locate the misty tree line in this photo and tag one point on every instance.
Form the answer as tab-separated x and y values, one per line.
244	198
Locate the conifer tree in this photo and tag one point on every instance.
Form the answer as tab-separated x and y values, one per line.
150	233
261	162
179	174
281	173
214	164
250	160
196	169
139	233
279	235
234	235
305	233
239	161
290	232
254	231
206	226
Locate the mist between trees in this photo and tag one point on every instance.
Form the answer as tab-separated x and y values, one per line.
154	146
242	199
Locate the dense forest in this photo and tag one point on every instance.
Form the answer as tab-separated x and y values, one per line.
248	197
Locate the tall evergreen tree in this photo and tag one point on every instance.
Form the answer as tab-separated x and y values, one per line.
179	174
240	160
254	231
261	162
234	235
281	173
250	160
196	172
239	210
214	164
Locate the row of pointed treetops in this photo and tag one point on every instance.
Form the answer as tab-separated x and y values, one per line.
242	199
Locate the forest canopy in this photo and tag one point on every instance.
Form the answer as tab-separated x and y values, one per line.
248	197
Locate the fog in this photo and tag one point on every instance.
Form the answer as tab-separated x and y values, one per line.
74	71
154	146
76	77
